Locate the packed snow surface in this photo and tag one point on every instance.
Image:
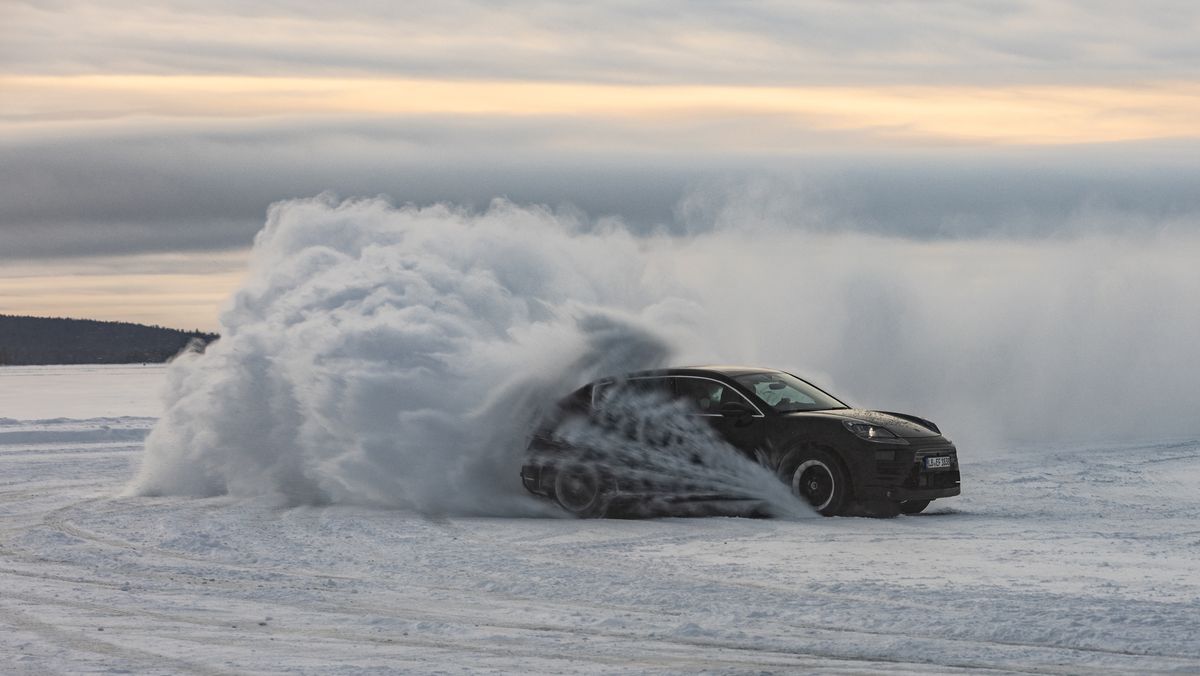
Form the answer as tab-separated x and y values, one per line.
83	391
332	486
1057	559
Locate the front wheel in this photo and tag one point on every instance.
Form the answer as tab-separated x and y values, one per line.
581	490
819	480
913	506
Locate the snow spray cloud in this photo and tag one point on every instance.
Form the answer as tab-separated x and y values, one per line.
398	356
1081	330
401	356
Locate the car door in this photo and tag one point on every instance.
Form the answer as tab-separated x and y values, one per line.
704	396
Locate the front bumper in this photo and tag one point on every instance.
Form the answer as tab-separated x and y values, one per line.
904	474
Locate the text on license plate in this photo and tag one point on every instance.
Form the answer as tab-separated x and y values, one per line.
937	462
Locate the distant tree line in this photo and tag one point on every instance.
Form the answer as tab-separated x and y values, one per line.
57	340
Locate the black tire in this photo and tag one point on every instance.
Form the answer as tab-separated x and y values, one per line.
582	490
817	477
913	506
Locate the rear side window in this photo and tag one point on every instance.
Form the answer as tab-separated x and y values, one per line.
655	385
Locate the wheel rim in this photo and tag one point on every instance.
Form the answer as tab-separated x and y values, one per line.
576	488
814	482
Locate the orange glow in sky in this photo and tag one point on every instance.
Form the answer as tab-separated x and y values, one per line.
905	115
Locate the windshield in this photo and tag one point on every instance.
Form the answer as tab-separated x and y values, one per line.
786	393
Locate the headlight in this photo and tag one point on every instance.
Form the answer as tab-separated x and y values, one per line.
875	433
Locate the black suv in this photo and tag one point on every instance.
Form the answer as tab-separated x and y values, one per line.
839	459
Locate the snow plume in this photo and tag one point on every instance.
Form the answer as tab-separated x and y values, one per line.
401	356
1065	338
398	356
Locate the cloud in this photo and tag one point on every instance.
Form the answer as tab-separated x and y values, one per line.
181	290
906	119
674	42
778	119
205	186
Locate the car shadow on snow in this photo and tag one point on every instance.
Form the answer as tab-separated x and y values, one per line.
943	511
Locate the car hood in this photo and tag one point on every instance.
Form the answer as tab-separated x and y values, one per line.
900	426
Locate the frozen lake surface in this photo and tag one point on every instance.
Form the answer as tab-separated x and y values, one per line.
84	391
1059	559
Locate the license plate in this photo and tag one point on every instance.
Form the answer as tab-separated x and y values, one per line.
937	462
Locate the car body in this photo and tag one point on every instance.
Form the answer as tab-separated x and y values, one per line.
841	460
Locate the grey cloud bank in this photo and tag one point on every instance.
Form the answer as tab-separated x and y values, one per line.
203	189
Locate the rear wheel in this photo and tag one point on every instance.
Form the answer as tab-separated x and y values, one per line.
913	506
581	490
819	480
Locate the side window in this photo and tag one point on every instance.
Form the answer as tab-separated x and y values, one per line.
775	393
705	396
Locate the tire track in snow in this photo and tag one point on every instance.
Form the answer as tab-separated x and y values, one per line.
872	600
58	519
82	641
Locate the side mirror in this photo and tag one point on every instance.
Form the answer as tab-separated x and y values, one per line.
735	409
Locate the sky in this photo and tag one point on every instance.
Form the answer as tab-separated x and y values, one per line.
140	147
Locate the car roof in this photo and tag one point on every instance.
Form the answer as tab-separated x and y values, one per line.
720	369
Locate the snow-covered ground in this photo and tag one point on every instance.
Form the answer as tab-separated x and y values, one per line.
84	391
1082	559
